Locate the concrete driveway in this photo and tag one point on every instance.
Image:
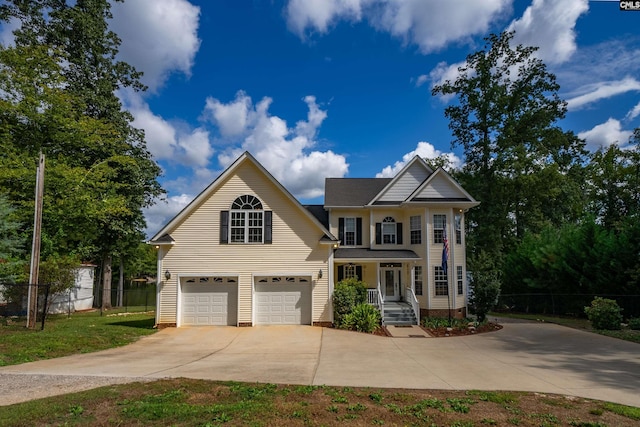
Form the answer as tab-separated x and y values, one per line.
523	356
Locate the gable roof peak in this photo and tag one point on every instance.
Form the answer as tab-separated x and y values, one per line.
415	170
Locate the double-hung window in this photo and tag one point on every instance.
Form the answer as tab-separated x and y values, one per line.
417	279
350	232
458	224
416	229
460	281
441	281
439	223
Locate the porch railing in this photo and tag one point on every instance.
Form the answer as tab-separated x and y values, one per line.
380	304
411	298
372	297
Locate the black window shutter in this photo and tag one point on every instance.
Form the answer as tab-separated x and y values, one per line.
341	230
340	272
359	272
399	233
359	232
268	227
224	226
378	233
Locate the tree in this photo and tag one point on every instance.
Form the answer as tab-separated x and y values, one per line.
10	243
523	168
485	283
65	59
614	180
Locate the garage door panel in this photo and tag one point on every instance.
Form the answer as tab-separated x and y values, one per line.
284	303
207	302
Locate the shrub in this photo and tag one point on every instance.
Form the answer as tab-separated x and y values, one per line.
634	323
346	296
363	318
486	290
604	314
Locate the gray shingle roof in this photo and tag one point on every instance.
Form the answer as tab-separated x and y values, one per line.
352	191
365	253
319	213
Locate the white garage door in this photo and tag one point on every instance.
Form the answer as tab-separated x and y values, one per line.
209	301
283	300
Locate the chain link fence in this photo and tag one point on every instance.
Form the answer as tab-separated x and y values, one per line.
14	298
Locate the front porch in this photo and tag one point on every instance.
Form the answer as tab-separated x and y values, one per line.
397	313
390	277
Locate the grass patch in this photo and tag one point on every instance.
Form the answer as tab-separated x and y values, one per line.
576	323
62	336
626	411
185	402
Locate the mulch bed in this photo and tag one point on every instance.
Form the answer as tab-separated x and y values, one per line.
442	332
457	332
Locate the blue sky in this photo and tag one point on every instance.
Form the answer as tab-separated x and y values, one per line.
342	88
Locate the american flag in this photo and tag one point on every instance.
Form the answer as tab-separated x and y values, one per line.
445	251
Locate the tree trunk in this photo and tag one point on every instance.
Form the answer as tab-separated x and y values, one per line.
106	283
121	281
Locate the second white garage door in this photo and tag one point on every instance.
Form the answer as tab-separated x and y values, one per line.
283	300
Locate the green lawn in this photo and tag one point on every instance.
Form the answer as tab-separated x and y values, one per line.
186	402
62	335
576	323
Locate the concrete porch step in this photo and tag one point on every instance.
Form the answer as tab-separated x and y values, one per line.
398	313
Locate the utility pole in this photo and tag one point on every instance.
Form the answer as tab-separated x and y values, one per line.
32	299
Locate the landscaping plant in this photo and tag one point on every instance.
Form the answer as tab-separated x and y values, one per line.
363	318
604	314
347	295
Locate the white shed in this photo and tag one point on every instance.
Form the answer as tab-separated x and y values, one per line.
79	297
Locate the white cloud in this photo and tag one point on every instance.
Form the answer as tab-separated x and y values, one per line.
286	152
605	61
424	150
605	135
433	25
167	141
422	79
443	73
550	25
430	25
158	37
320	14
635	112
231	119
601	90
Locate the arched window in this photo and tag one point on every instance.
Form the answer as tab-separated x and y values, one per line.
247	220
389	230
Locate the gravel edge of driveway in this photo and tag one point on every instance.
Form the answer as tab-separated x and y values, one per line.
31	387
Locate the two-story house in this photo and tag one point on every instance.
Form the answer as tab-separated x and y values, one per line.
245	252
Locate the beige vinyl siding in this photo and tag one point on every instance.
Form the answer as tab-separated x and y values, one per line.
440	187
406	184
295	247
456	257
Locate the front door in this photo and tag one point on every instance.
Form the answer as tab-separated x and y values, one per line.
391	283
